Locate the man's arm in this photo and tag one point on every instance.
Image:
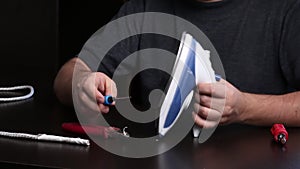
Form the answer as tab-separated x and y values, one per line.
223	101
63	80
75	82
270	109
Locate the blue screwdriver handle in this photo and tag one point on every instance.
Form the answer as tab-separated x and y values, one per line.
108	100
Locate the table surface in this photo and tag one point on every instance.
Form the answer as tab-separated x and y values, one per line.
232	146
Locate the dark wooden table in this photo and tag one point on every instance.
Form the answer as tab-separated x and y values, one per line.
233	146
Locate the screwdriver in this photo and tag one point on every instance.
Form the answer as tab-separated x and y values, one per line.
108	99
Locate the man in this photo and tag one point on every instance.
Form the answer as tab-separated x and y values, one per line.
258	43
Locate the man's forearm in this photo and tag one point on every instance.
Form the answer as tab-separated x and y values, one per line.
64	79
63	82
269	109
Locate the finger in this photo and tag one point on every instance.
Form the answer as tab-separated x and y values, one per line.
213	103
88	86
207	113
93	93
203	123
92	106
100	81
100	97
212	89
224	120
110	89
87	106
105	86
103	108
197	97
97	87
204	88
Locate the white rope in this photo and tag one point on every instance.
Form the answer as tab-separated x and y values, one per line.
18	135
8	89
77	140
45	137
42	137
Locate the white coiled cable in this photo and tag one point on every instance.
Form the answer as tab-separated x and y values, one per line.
18	98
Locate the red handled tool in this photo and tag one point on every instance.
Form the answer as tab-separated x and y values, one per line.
279	133
103	131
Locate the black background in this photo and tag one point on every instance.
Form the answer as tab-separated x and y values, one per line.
37	34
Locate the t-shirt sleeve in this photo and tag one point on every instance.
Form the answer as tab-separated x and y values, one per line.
290	47
107	47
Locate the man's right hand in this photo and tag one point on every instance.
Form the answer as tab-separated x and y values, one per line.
89	89
75	84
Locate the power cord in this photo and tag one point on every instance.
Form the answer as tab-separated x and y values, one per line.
17	98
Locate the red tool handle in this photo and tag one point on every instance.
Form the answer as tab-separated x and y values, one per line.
89	129
278	129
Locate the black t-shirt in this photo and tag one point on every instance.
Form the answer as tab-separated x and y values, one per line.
257	41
